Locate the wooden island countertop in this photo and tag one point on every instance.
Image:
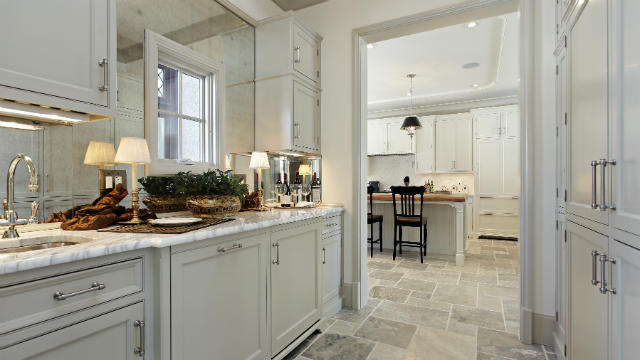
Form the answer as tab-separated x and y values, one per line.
427	197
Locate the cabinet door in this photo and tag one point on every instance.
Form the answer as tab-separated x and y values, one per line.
463	161
511	122
296	284
625	126
588	308
376	137
561	139
587	107
561	276
331	270
107	337
219	301
426	146
488	123
510	176
55	47
306	54
445	144
304	116
489	167
625	304
399	141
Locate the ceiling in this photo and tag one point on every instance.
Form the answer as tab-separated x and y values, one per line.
437	58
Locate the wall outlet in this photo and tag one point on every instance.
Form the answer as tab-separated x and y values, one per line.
115	177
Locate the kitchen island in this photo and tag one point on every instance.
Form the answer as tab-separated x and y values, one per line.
251	288
445	227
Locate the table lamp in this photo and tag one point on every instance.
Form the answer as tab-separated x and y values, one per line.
100	154
259	161
133	151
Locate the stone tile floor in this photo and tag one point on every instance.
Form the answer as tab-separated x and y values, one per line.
434	311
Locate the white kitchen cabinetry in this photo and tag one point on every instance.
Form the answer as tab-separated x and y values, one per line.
287	115
219	300
454	143
376	137
331	265
426	146
60	54
296	283
384	137
561	125
497	164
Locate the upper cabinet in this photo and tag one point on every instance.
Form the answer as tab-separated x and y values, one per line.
287	94
285	45
454	143
60	54
426	146
384	137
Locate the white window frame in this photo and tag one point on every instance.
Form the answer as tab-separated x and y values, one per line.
161	50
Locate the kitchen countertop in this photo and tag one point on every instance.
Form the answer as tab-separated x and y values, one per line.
108	243
428	197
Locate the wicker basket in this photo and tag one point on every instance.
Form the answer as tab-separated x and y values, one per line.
165	203
210	206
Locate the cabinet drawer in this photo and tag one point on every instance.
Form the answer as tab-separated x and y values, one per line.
332	224
507	205
498	224
36	301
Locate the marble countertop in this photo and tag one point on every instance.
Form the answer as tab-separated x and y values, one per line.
95	244
427	197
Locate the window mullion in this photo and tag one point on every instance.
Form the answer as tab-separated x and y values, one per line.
179	115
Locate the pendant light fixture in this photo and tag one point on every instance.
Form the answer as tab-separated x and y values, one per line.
411	123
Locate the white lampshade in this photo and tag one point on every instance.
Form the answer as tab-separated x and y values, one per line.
133	150
305	169
100	153
259	160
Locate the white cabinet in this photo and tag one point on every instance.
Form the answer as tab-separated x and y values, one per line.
296	283
114	335
454	143
219	300
60	54
561	125
384	137
287	115
561	278
331	273
426	146
284	45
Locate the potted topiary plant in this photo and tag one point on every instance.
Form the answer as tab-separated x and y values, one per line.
214	193
163	193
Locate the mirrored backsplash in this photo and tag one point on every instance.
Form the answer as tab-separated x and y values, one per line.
58	151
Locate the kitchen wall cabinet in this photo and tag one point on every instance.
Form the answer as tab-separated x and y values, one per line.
454	143
287	115
219	300
296	283
561	125
60	54
426	146
384	137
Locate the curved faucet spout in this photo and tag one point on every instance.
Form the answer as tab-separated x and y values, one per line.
33	186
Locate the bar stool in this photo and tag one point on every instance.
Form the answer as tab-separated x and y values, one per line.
406	216
372	219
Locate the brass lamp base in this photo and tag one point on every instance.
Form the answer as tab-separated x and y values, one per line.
135	220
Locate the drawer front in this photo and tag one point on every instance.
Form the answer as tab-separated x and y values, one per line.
506	205
36	301
498	224
332	224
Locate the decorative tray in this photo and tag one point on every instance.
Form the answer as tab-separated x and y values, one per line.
150	229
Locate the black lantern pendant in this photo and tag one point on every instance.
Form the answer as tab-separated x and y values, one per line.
411	123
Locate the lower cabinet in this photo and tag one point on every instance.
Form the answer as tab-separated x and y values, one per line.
219	301
296	283
114	335
331	273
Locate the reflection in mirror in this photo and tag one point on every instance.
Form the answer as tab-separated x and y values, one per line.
58	151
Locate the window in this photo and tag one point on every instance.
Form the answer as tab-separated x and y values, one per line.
181	123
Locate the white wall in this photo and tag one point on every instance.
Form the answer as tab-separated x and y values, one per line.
335	20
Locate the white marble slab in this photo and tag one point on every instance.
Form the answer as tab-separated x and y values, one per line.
95	244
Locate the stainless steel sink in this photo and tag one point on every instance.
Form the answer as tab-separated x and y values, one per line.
25	244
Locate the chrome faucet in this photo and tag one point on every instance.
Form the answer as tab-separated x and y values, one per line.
11	232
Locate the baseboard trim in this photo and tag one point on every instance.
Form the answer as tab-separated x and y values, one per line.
559	343
543	328
351	295
526	325
331	307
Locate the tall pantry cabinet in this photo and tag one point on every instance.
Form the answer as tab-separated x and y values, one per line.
598	86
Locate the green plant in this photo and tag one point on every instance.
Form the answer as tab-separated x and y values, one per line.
216	182
158	185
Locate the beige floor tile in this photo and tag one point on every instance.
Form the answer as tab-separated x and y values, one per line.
440	276
491	303
390	332
500	291
389	293
462	328
474	316
386	275
343	327
417	285
490	279
381	265
387	352
455	294
412	314
502	344
434	344
428	304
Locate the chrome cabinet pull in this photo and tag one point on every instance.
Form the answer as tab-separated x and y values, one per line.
324	255
229	248
104	64
297	56
603	273
612	290
594	199
594	268
59	295
277	260
612	163
603	192
139	350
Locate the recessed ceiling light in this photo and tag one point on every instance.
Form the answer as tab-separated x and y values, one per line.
475	86
470	65
370	46
472	24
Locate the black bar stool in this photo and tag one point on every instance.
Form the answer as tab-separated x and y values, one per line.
406	216
372	219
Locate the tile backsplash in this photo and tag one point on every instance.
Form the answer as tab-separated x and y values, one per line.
390	170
